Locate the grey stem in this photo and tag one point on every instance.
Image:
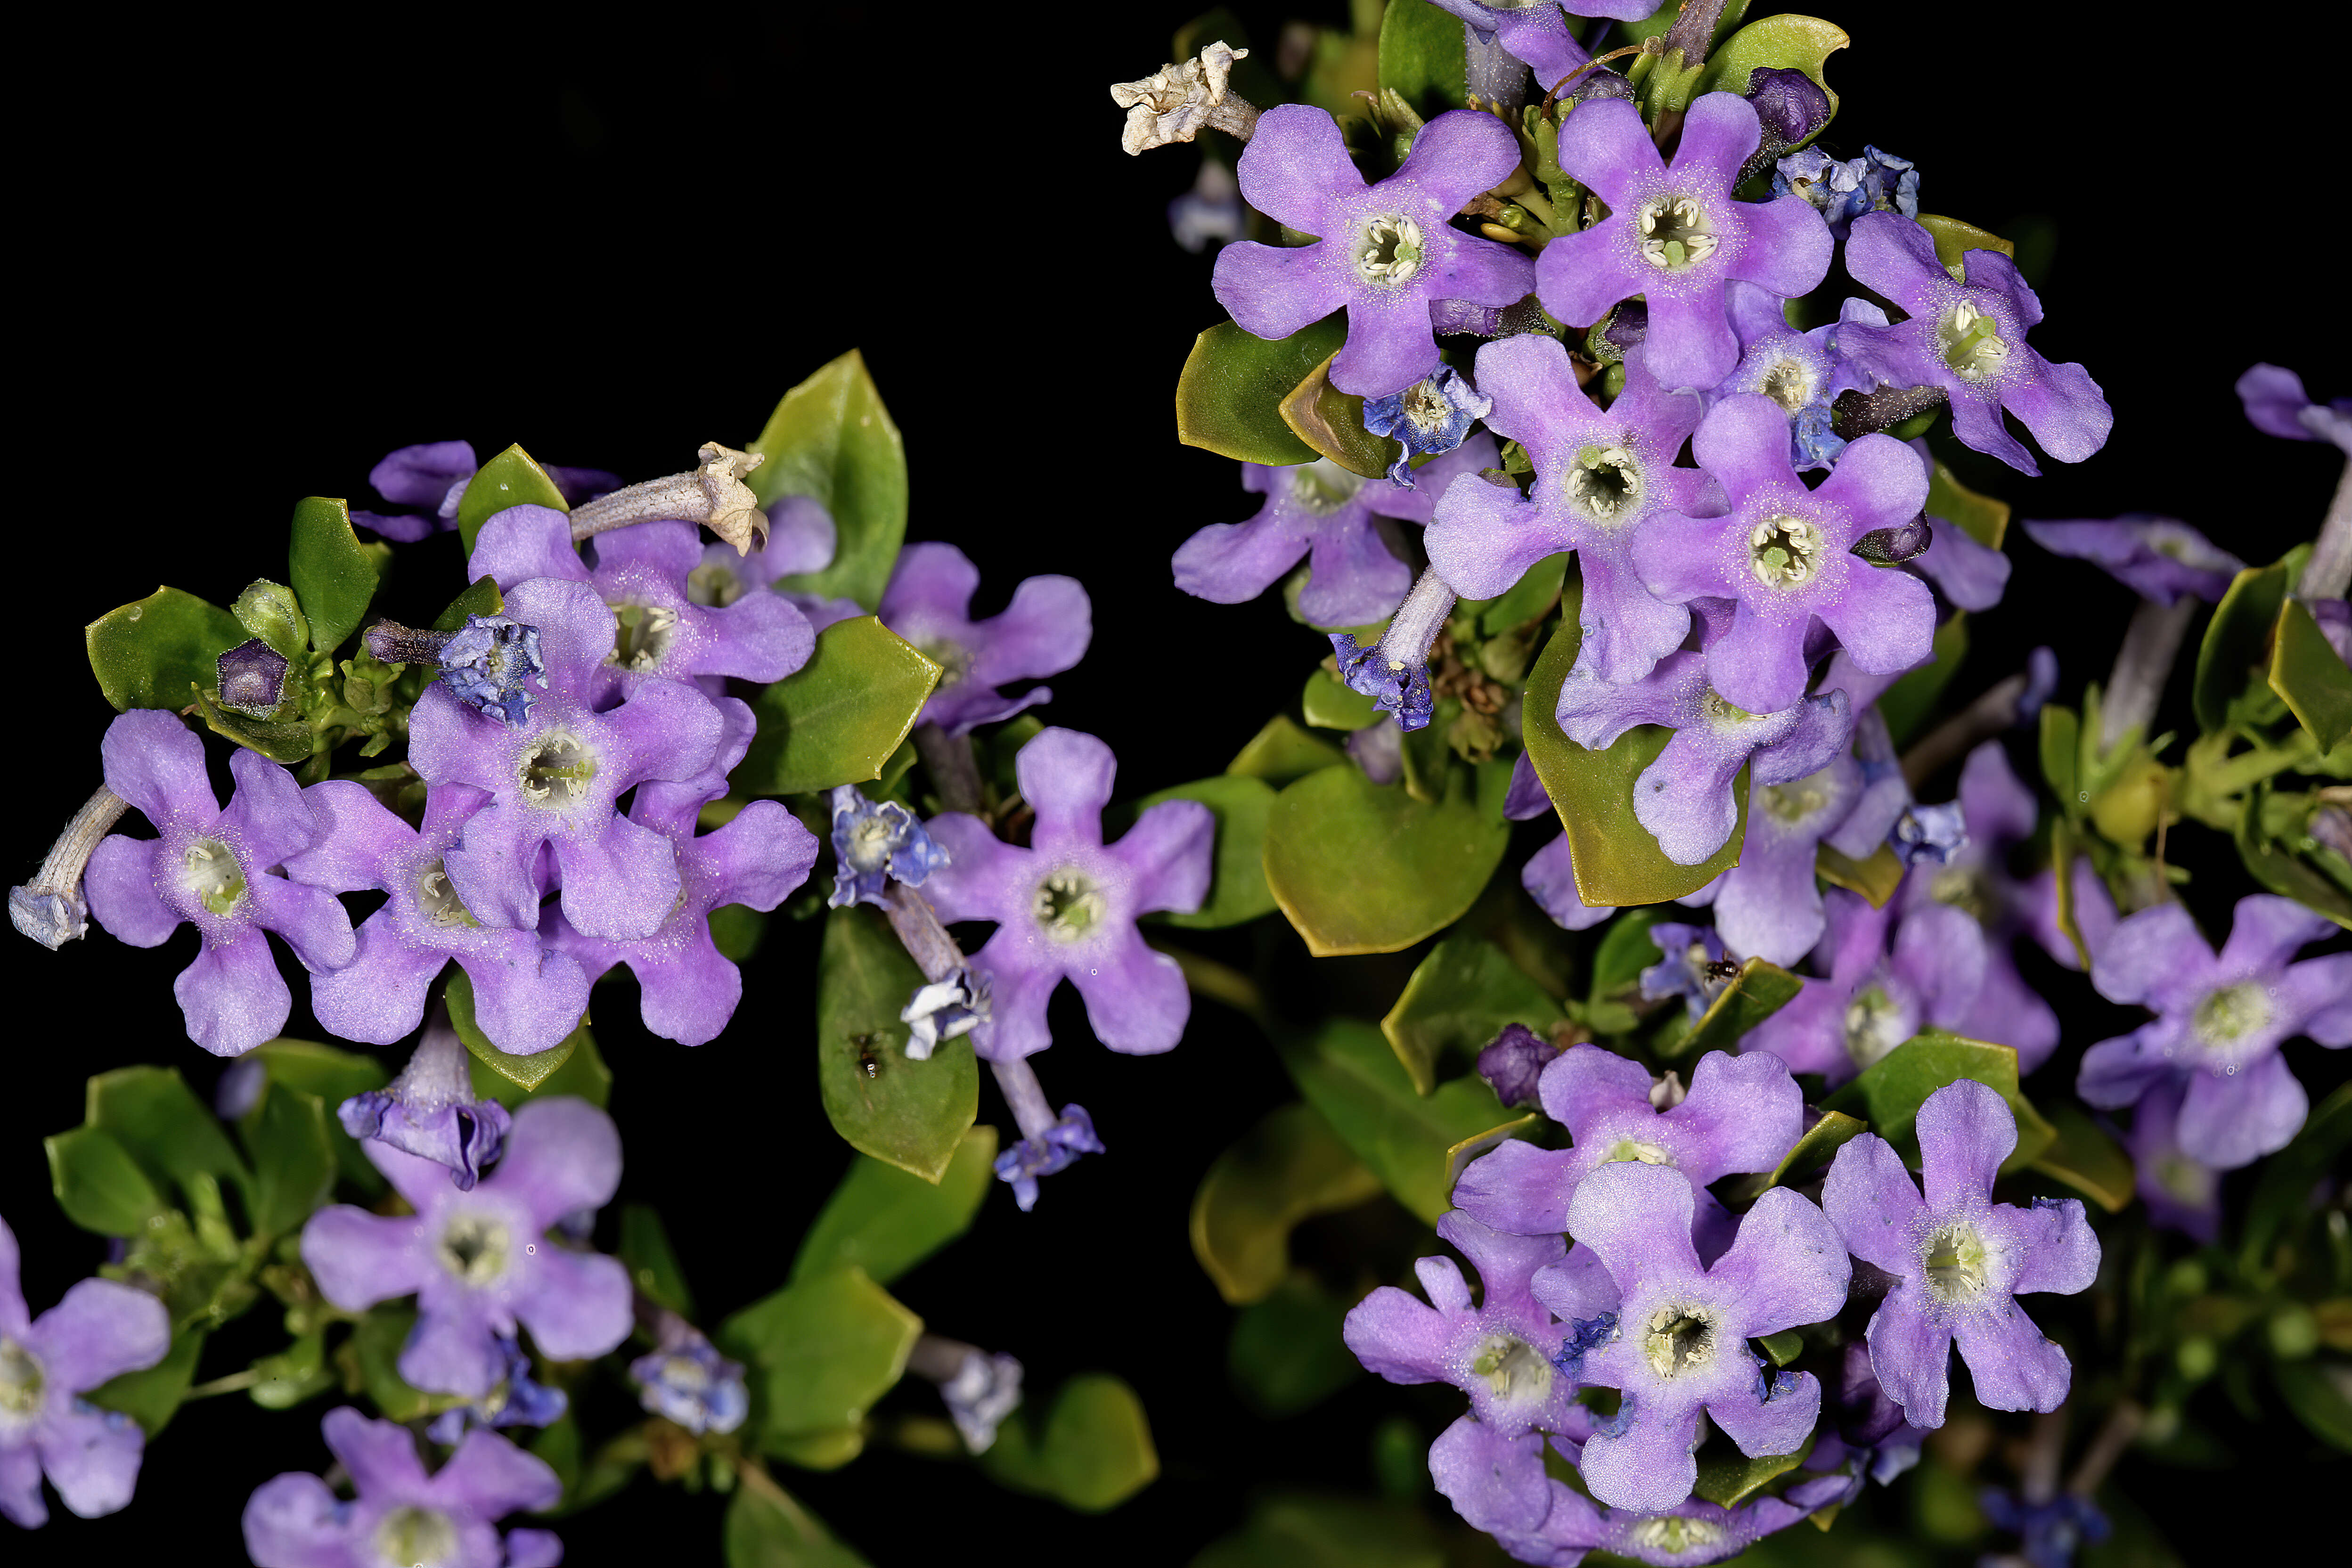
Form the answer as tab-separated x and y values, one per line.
2143	665
927	942
679	496
1496	75
2123	1424
49	908
2038	1479
948	760
1024	1095
1236	117
713	495
936	1359
1987	716
2328	573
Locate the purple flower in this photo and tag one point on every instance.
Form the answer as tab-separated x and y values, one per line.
1842	191
517	1401
1065	907
1384	253
1687	970
554	780
1394	669
211	867
1675	236
1768	906
100	1331
527	996
1678	1346
1431	417
1211	210
1538	34
686	1380
984	1389
435	475
1743	1113
801	538
1601	481
1514	1064
491	664
1968	338
1550	878
401	1514
1498	1353
875	844
430	1111
2159	558
1961	1260
2182	1195
2276	404
2220	1022
1044	631
2049	1533
1051	1150
479	1262
1801	372
1874	999
1784	553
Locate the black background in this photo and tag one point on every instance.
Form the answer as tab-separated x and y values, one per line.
255	263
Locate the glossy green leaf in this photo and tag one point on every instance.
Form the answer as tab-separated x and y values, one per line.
2274	868
1890	1090
1329	705
766	1530
2059	745
288	741
1954	239
1536	591
155	653
1462	1152
160	1122
528	1072
1874	878
1827	1131
885	1221
1229	395
1092	1452
98	1185
1617	861
1290	1167
2235	653
335	576
1282	753
1350	1075
2317	1399
1459	998
1779	43
1731	1478
2087	1159
1759	991
334	1076
373	1350
293	1158
1907	705
1331	423
296	1374
831	439
820	1351
152	1394
1423	55
906	1113
271	612
1326	1532
1286	1355
481	597
839	717
1364	867
1238	890
2305	671
646	1252
1783	1348
1626	949
1983	518
511	478
581	1075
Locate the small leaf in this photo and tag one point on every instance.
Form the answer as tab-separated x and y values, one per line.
736	931
333	574
160	1122
271	612
1093	1453
1364	867
1984	518
1351	1078
831	439
582	1075
776	1531
1626	950
98	1185
1331	422
2087	1160
1778	43
1316	1531
646	1252
334	1076
1460	1154
1891	1089
908	1113
525	1071
155	653
820	1351
1290	1167
1424	56
288	742
838	718
152	1394
1459	999
1830	1130
1530	598
297	1373
1875	878
1783	1348
2305	671
2235	653
511	478
1330	705
1730	1479
1954	239
1229	395
293	1159
1238	890
885	1221
481	598
1759	991
1286	1355
2317	1399
1282	753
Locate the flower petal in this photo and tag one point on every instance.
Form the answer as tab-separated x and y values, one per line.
1869	1197
118	882
359	1259
99	1329
2229	1121
232	995
92	1458
562	1156
1965	1130
1911	1353
2013	1365
578	1304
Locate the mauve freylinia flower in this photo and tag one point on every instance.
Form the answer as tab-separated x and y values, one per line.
1842	191
1692	966
1430	417
1384	253
554	780
211	867
2159	558
1968	338
480	1262
430	1111
1678	1345
1961	1260
1675	236
1539	34
1514	1064
1053	1148
1742	1113
435	475
1801	372
2276	404
517	1401
401	1515
1550	878
875	843
955	1003
685	1379
252	678
1044	631
1769	906
1784	553
2180	1193
2220	1019
1874	998
984	1390
100	1331
1602	479
492	664
1065	907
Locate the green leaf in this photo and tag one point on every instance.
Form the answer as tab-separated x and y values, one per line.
1320	1531
1759	991
821	1350
1730	1479
375	1350
765	1531
1830	1132
2306	672
334	1076
297	1373
839	717
1364	867
1290	1167
831	439
2234	655
646	1252
1286	1355
1784	1347
1906	704
1531	598
908	1113
1238	890
1780	43
2059	744
736	931
885	1221
1954	239
160	1122
98	1185
1331	423
1229	395
480	598
511	478
1890	1090
1460	1154
582	1075
2083	1156
288	742
1459	998
1981	517
155	653
1330	705
1617	860
1282	753
529	1072
152	1394
1093	1453
1353	1080
334	574
1626	949
2317	1396
2281	1197
1424	57
1874	878
271	612
293	1158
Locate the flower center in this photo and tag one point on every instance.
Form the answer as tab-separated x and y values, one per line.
1636	1148
716	586
1322	486
1673	233
2226	1015
438	901
1955	1257
421	1537
1874	1025
1605	482
1425	406
21	1382
1723	712
556	770
1514	1369
953	658
211	873
1675	1534
1971	343
1963	889
1679	1338
644	635
1391	251
1792	803
2186	1179
1068	904
1784	551
473	1248
1789	385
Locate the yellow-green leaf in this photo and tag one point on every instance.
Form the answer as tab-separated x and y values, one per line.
511	478
1289	1167
153	654
1364	867
838	719
831	439
2305	671
1332	423
1229	395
